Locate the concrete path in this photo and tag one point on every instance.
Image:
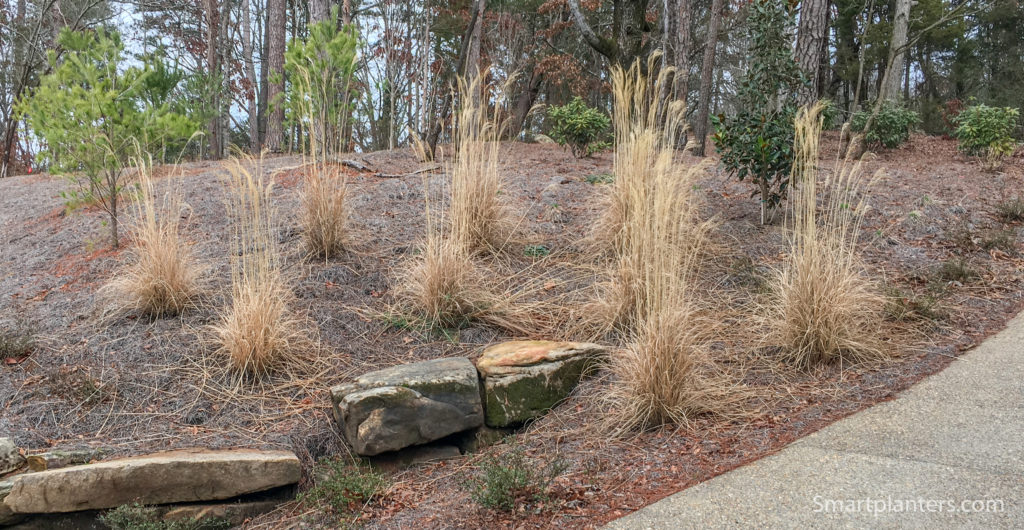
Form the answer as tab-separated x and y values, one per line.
952	445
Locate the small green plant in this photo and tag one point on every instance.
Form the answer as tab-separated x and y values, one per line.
536	251
905	307
345	486
600	178
92	111
512	480
138	517
580	127
957	269
986	131
999	239
1011	210
17	340
891	127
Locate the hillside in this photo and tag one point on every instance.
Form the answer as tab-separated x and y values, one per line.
933	237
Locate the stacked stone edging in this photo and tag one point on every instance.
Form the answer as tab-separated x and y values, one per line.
418	403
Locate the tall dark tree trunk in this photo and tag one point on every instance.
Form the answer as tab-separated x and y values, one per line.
627	43
211	11
890	86
531	89
700	128
439	119
319	10
20	71
252	92
684	12
811	34
276	28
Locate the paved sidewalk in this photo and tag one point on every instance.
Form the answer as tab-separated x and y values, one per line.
954	438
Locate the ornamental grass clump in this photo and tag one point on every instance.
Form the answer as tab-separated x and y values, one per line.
161	277
258	331
824	307
655	235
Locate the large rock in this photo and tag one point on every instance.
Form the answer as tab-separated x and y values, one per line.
10	457
524	379
408	405
162	478
6	515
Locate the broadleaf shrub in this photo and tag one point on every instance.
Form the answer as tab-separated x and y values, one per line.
831	115
891	127
986	131
580	127
757	141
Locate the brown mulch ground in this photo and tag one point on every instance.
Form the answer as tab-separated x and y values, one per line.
136	385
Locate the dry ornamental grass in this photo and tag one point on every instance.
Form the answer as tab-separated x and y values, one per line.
825	308
161	277
655	237
259	330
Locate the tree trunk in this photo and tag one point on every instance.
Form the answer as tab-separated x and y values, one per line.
684	11
890	88
211	11
531	89
251	93
700	128
629	27
319	10
276	28
473	56
811	34
437	127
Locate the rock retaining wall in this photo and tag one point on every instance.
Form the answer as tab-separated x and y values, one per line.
413	404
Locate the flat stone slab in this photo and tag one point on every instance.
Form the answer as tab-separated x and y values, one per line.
162	478
408	405
524	379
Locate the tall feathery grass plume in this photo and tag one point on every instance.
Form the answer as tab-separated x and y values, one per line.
258	331
325	209
162	276
478	216
448	284
823	306
651	212
320	69
662	375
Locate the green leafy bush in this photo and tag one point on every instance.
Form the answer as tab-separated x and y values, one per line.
891	127
138	517
757	141
94	115
513	479
831	115
580	127
986	131
345	486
